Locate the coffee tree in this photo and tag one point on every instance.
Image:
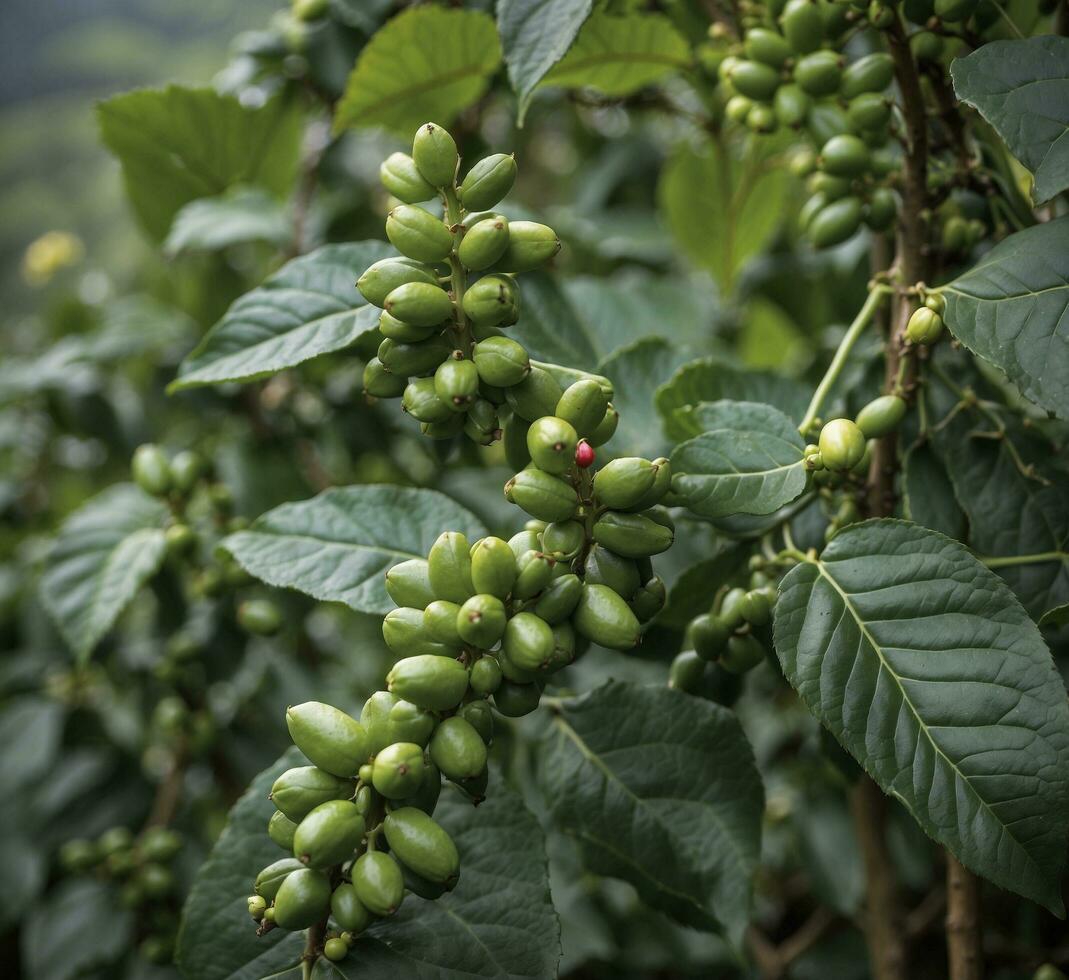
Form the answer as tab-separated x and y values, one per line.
657	584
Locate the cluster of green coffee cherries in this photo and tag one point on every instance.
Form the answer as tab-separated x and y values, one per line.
142	867
446	300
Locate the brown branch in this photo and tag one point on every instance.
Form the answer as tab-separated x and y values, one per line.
964	955
774	961
168	792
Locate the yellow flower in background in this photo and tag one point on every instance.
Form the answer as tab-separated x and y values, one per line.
45	256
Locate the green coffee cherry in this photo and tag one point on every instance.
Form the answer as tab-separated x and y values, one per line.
421	401
401	177
423	887
926	46
405	333
418	234
802	25
493	567
767	46
649	600
405	634
530	245
756	607
257	905
329	738
604	618
426	797
563	540
419	303
383	277
434	683
738	108
761	119
536	396
844	156
381	383
270	879
329	834
558	601
529	539
936	303
870	110
487	182
631	535
398	769
924	327
881	210
872	73
335	949
435	155
881	415
605	567
484	243
422	845
449	567
624	482
534	573
516	700
687	672
842	444
187	468
479	715
115	840
408	722
791	105
281	830
583	405
458	750
348	911
542	495
709	636
151	470
404	360
456	382
179	539
755	80
300	790
743	653
662	483
501	362
836	222
490	301
378	883
730	613
528	641
481	621
485	676
160	843
440	622
481	423
551	443
606	429
819	73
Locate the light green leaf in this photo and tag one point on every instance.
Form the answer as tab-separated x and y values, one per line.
928	671
1013	310
244	214
748	461
659	788
1022	89
618	55
339	545
722	208
426	63
102	556
311	306
179	144
711	379
535	34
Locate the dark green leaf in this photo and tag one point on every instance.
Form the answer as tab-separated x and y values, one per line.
1011	310
339	545
244	214
179	144
549	326
1022	89
35	724
924	665
928	495
692	592
1058	616
103	555
309	307
747	461
659	788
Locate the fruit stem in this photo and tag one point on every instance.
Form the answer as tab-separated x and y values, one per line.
454	214
875	298
311	948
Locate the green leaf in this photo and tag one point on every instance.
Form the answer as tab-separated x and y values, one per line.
549	326
535	34
635	372
309	307
928	495
216	939
749	461
339	545
425	64
180	144
928	671
104	553
244	214
619	55
1058	616
659	788
744	198
1010	309
36	725
692	593
709	380
1022	89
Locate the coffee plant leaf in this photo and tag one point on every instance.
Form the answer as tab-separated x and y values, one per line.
659	788
925	667
425	63
242	215
177	145
928	493
339	545
311	306
1022	89
1010	309
103	554
747	461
